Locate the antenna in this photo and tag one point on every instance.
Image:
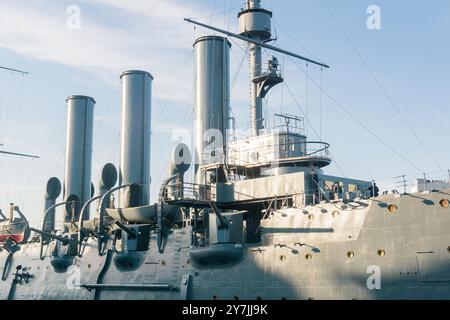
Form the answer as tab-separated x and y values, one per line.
255	29
14	70
264	45
425	182
1	140
19	154
402	182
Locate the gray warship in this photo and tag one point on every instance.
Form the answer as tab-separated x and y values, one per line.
260	220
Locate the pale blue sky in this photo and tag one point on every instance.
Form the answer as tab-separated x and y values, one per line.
409	57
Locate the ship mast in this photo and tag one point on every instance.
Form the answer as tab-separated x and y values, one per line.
253	8
255	29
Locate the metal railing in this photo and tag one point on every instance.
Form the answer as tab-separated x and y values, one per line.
189	191
259	154
286	123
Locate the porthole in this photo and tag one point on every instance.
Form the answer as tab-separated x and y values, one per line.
215	298
311	217
444	203
283	258
392	208
350	254
308	256
189	262
381	252
236	298
448	249
335	213
89	265
163	263
259	298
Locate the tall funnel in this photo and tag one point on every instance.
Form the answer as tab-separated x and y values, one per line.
135	135
77	181
212	99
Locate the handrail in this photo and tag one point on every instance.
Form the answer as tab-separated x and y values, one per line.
239	154
102	209
191	191
80	221
41	240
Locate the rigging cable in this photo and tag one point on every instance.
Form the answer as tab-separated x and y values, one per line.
15	127
217	13
296	41
321	104
233	83
360	123
282	89
382	88
312	127
307	97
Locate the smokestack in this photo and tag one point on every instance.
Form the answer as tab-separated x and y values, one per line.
77	181
212	99
135	134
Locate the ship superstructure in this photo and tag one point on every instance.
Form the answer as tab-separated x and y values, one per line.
260	220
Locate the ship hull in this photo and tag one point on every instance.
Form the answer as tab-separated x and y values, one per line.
393	255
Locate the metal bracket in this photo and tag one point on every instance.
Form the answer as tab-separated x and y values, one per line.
185	288
265	83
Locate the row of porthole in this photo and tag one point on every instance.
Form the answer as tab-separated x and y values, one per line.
260	298
444	203
237	298
334	214
350	254
380	252
308	256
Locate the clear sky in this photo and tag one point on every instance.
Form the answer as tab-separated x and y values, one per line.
408	56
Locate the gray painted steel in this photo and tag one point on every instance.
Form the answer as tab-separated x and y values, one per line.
293	233
415	263
77	179
135	135
212	98
255	24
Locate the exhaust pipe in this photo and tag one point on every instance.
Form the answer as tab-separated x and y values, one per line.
135	134
77	180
